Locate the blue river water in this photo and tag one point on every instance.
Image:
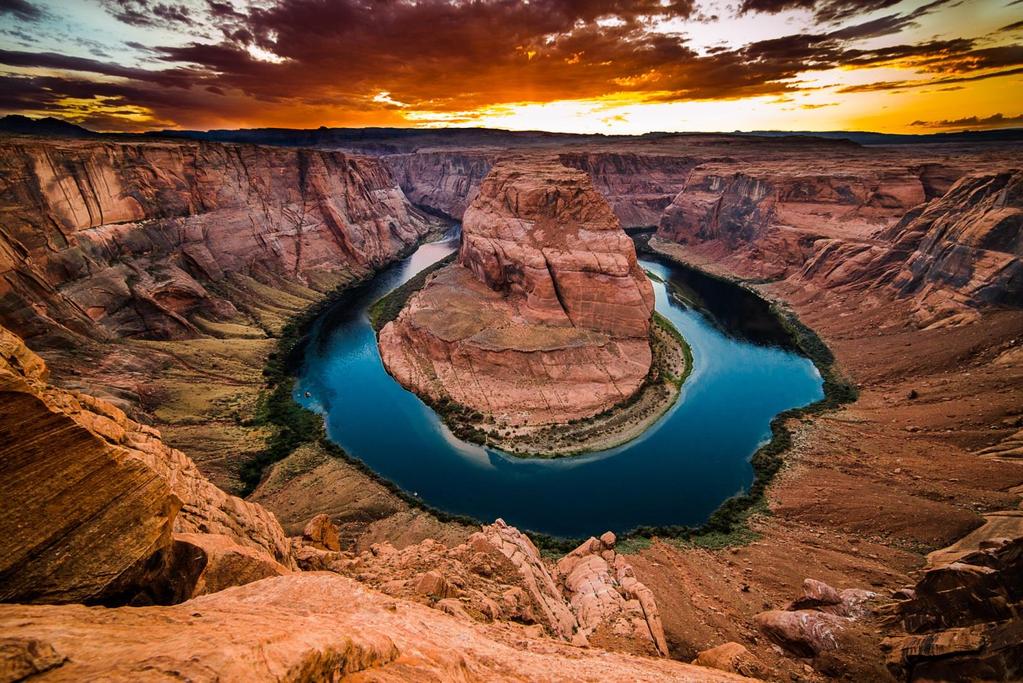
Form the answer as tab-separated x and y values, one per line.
678	472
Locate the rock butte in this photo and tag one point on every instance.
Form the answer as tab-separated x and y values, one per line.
545	316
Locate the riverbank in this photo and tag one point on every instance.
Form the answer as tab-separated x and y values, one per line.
619	424
672	363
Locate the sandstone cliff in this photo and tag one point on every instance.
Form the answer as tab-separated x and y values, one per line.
546	315
443	182
917	235
114	240
97	508
962	249
638	186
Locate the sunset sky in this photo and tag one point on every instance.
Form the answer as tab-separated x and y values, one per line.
571	65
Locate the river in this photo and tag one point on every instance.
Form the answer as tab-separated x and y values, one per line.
678	472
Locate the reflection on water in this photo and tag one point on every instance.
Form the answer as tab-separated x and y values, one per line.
678	472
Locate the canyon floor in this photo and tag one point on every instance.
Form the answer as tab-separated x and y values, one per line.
926	459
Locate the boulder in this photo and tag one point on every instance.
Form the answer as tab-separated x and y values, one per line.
322	533
732	657
804	633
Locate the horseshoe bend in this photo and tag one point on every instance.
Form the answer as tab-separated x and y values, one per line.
544	318
469	404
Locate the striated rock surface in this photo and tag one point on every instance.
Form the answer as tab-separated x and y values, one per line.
638	186
546	315
91	498
443	182
948	243
608	600
115	240
309	627
964	619
965	248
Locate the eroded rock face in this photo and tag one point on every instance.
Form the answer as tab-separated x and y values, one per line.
116	240
311	627
91	498
607	598
949	243
444	182
638	186
962	619
546	315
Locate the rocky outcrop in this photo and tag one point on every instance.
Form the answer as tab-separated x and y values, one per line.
546	315
114	240
536	578
591	597
92	499
309	627
964	619
442	182
638	186
321	533
814	623
606	597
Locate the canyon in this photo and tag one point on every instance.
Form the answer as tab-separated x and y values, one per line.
153	278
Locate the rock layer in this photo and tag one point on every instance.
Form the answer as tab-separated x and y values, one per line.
305	627
546	315
115	240
91	498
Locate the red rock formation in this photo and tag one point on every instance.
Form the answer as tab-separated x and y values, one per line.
607	599
91	498
546	315
115	239
443	182
959	251
309	627
638	186
962	619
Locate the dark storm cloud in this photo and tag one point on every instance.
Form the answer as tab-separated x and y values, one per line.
826	10
147	13
288	58
993	121
20	9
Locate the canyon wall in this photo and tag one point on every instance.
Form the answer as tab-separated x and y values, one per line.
442	182
546	315
98	509
638	186
948	246
960	250
114	240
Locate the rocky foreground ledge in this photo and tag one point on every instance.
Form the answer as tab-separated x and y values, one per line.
130	565
546	316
